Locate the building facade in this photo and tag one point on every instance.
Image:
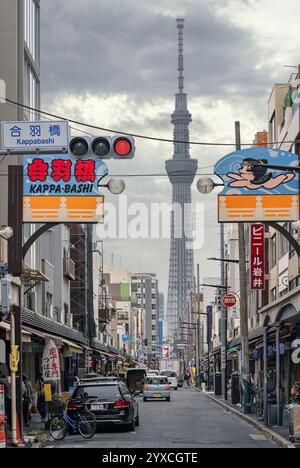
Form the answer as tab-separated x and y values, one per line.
145	296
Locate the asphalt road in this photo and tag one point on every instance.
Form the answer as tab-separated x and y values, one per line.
190	420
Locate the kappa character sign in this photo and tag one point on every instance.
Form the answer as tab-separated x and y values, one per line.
255	193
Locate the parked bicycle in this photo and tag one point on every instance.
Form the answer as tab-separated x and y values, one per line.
61	423
257	402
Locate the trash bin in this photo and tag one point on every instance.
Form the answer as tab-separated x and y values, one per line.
218	384
294	422
272	415
235	389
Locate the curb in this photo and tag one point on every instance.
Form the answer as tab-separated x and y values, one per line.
278	439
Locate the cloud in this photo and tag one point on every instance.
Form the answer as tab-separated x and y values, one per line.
130	47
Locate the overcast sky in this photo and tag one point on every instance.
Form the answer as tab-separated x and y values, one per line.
113	63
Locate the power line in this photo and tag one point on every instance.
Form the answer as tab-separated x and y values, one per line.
135	135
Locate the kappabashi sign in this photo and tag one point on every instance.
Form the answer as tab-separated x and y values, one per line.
253	193
62	189
50	363
257	257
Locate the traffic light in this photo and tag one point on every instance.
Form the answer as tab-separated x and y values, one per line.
79	147
102	147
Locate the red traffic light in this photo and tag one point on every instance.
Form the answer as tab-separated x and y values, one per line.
122	147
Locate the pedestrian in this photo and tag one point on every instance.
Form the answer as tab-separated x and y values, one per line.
7	397
41	405
30	394
72	381
25	401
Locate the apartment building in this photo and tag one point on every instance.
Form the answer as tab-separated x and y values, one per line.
145	291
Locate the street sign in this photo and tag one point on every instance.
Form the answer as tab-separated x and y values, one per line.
62	189
27	135
229	300
257	263
253	193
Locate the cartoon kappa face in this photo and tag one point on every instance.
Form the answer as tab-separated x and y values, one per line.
254	177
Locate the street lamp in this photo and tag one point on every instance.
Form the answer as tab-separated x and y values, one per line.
206	185
6	232
225	260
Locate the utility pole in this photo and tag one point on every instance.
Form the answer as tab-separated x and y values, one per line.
198	324
245	367
224	318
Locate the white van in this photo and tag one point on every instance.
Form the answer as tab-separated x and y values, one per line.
172	376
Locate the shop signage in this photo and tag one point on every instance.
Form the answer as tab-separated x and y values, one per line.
62	189
296	352
254	193
14	359
257	266
50	363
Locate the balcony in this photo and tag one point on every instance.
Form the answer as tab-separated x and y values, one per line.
69	268
104	315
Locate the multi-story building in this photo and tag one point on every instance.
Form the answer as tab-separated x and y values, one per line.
161	321
274	314
145	290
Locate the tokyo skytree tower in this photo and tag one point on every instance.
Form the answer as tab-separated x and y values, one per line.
181	171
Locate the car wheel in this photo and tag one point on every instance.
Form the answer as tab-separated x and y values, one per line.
131	427
168	399
137	421
176	388
144	399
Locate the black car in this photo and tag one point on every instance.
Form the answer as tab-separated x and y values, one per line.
110	402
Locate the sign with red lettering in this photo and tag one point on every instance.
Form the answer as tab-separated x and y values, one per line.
258	257
229	300
63	189
50	363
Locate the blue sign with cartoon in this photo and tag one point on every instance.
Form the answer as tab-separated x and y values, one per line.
253	192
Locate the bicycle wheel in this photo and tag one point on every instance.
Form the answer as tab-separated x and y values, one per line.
86	424
58	428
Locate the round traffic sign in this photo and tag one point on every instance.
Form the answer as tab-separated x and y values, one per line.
229	300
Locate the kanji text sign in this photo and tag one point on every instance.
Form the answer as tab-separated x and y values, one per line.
25	135
257	257
62	189
50	363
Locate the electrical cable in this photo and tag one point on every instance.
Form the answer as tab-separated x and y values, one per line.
135	135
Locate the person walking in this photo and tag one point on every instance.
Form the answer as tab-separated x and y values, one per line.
41	405
29	397
25	401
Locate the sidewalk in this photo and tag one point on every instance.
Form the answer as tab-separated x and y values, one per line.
280	435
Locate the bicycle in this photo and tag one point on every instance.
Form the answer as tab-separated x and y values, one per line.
84	423
257	402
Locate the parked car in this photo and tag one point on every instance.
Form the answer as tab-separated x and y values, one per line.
157	387
110	401
172	378
136	378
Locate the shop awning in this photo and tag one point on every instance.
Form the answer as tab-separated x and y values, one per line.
74	348
26	335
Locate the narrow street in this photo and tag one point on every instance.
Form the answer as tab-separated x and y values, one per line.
189	421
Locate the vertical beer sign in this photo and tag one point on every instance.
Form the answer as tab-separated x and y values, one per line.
258	257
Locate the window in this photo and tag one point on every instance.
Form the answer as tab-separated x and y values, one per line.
66	314
31	89
284	243
49	305
154	327
153	306
31	27
273	251
274	294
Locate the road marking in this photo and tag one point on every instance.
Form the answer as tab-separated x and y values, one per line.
257	437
